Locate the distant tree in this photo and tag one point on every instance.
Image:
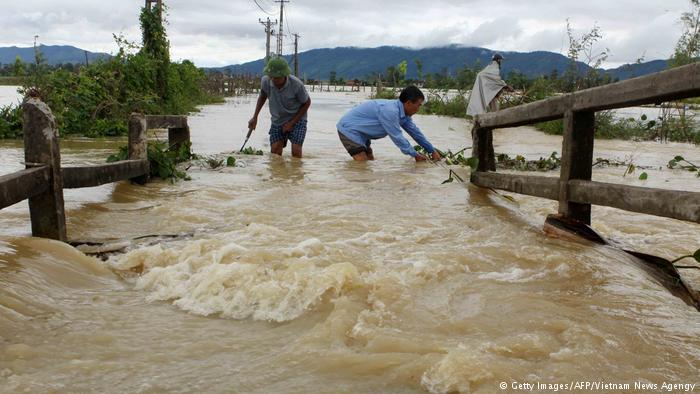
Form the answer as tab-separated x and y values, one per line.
688	46
675	123
517	80
18	69
465	77
419	67
156	45
582	49
402	68
39	72
540	89
333	77
391	75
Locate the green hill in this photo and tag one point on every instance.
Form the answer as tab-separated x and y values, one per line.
54	54
352	62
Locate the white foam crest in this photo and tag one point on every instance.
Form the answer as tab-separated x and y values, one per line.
458	371
310	248
208	277
259	229
370	238
519	275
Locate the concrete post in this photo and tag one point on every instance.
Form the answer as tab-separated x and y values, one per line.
178	136
576	161
41	147
138	142
482	148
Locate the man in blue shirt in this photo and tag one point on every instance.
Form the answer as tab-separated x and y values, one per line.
289	102
376	119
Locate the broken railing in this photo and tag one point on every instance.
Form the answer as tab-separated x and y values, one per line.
43	180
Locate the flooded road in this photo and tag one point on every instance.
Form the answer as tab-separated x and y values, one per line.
325	275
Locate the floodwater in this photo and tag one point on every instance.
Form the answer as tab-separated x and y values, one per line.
325	275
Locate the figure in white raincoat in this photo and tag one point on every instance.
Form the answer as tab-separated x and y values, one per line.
487	87
484	98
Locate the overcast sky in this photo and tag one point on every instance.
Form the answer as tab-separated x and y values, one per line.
220	32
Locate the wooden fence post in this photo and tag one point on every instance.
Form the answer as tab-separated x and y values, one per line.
138	142
41	147
576	161
482	148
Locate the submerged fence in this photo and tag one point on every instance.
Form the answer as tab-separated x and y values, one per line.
43	180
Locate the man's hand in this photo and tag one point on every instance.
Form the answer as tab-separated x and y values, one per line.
252	123
288	127
436	155
420	157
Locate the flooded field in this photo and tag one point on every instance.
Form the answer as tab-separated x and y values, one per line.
330	276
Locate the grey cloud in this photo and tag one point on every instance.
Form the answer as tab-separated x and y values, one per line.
212	32
492	31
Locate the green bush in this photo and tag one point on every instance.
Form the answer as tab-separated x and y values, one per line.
608	127
163	161
10	122
96	100
553	127
442	105
388	94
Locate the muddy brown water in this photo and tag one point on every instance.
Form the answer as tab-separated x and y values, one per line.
325	275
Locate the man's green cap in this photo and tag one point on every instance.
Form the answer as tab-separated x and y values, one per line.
277	67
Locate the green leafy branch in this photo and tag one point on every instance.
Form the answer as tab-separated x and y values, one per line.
695	255
251	151
451	179
450	158
520	164
214	162
677	163
163	160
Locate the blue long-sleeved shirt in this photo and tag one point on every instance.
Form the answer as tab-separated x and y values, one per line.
376	119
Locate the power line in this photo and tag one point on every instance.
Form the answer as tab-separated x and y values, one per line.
262	9
287	22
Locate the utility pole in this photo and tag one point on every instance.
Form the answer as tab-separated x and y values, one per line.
268	32
296	54
280	33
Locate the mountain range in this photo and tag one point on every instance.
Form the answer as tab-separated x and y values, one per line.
361	63
54	54
353	62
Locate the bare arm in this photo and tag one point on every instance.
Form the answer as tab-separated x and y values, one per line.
253	122
302	110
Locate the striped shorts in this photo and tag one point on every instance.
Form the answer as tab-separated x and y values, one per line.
297	134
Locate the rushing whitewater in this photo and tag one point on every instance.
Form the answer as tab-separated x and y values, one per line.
325	275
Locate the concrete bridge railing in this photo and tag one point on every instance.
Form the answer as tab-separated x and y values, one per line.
43	181
574	189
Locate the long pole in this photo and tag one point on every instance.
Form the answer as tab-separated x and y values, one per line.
280	33
296	54
268	32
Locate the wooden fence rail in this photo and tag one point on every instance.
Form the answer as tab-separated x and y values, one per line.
99	174
574	189
675	84
680	205
23	184
42	183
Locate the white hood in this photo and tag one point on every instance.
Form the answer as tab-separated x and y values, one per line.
487	85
